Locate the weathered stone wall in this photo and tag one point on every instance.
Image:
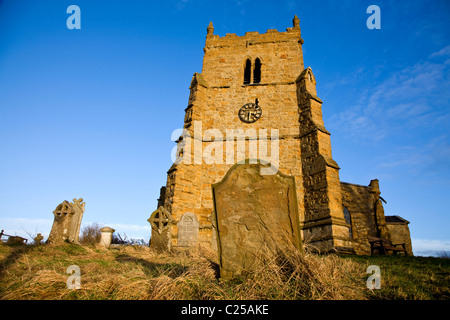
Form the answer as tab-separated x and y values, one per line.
280	53
324	225
359	201
400	234
189	185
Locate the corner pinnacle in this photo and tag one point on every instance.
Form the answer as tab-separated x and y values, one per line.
210	28
296	22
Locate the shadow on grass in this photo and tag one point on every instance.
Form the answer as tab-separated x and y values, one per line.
153	269
215	266
17	250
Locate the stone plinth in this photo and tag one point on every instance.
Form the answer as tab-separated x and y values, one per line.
106	237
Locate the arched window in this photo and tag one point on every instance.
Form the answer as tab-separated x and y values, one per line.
257	71
247	71
348	220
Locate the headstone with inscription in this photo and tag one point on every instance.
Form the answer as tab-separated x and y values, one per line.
188	230
256	218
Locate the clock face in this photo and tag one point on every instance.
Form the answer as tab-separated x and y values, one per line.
250	112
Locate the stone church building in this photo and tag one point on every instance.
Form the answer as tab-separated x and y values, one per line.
257	84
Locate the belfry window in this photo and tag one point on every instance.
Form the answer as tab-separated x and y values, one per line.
257	71
247	71
348	220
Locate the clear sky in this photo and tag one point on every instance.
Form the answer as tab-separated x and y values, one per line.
89	113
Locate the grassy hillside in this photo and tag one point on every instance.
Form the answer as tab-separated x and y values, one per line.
136	272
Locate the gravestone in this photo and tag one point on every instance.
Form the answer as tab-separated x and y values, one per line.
160	221
67	222
38	239
256	218
188	230
75	223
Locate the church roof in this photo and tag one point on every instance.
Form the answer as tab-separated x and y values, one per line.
396	219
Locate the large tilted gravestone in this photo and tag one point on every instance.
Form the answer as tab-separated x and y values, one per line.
256	218
67	222
188	230
160	221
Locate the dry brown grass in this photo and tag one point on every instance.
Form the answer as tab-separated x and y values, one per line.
137	272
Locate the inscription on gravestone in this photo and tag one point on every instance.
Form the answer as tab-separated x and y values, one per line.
256	218
188	230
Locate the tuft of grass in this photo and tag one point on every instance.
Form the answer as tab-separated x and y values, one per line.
137	272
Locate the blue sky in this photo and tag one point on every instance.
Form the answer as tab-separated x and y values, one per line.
89	113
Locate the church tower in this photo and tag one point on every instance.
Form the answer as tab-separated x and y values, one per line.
254	99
